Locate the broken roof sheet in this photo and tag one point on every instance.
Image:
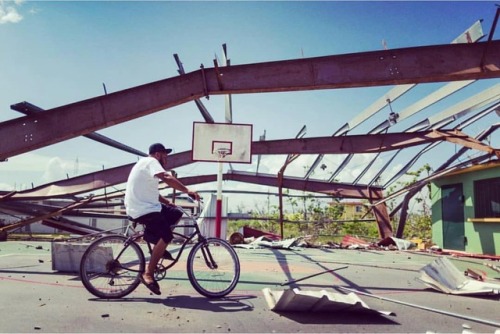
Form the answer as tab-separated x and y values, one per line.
443	276
296	300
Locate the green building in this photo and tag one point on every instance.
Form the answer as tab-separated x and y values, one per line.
466	209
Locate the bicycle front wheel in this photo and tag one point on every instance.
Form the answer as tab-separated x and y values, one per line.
110	267
213	268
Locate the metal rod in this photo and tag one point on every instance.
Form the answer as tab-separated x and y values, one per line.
321	273
490	37
457	315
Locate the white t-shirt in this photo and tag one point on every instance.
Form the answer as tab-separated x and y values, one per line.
141	195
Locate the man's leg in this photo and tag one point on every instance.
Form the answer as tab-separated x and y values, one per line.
156	255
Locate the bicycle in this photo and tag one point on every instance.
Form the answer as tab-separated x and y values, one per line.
111	266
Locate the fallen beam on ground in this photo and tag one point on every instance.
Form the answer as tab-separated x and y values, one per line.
313	275
452	314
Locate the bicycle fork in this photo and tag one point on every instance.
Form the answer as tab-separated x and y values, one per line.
209	260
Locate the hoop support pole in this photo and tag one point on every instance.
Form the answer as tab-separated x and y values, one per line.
218	208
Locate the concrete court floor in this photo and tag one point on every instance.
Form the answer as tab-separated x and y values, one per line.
36	299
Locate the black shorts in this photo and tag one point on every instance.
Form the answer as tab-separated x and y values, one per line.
159	224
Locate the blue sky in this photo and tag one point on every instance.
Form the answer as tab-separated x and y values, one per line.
56	53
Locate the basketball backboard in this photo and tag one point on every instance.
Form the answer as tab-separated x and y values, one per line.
222	142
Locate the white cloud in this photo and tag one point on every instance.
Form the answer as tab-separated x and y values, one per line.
6	187
9	14
32	169
56	169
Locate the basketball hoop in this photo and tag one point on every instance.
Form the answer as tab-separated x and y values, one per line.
221	142
222	152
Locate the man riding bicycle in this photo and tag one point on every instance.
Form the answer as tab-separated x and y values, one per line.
144	204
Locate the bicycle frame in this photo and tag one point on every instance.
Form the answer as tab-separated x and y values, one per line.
186	240
117	275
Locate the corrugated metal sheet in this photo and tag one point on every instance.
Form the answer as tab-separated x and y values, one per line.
296	300
443	276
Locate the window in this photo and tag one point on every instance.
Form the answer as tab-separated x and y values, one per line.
487	198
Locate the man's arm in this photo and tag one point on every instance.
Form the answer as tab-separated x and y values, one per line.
164	200
177	185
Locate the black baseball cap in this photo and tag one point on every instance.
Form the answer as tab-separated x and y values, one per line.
157	147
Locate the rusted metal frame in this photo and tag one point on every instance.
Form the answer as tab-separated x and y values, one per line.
92	181
381	103
7	195
445	121
201	107
404	211
461	151
490	37
464	140
32	220
116	175
424	103
422	182
443	166
383	220
378	105
27	108
390	96
289	159
429	100
69	227
31	209
339	190
456	62
66	122
281	173
352	144
367	167
486	97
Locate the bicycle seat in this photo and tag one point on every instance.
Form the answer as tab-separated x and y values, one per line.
134	221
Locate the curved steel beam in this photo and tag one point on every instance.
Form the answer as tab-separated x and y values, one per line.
437	63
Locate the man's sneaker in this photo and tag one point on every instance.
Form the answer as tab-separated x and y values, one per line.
168	256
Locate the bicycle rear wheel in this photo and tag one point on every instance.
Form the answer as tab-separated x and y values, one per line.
213	268
110	267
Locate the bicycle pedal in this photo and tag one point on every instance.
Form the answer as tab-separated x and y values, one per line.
168	256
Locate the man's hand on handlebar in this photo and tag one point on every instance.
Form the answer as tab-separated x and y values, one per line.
194	195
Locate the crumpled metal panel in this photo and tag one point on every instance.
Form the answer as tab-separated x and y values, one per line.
296	300
443	276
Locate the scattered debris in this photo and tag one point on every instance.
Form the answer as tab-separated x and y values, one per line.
475	274
457	315
400	244
236	238
264	242
295	300
354	243
443	276
455	253
491	266
249	232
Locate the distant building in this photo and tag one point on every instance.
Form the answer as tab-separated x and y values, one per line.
466	210
354	211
